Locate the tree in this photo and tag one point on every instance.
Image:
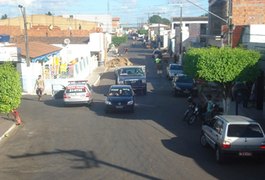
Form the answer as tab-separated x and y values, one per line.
10	88
156	19
142	31
223	66
4	16
49	13
118	40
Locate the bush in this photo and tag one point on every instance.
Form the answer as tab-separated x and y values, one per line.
10	88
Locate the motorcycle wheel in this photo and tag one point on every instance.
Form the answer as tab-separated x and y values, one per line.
191	120
187	115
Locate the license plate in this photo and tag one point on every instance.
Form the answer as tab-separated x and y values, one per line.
245	154
186	91
119	107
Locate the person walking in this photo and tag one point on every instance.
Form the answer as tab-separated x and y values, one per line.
39	86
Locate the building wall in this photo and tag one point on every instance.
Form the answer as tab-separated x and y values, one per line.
246	12
42	23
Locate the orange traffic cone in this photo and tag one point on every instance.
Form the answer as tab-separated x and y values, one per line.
17	117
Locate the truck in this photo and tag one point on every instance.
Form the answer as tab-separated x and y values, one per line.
132	75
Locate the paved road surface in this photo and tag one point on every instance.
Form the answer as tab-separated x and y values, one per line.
77	142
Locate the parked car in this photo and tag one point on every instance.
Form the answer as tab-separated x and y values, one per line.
174	69
132	75
183	84
232	135
78	92
120	98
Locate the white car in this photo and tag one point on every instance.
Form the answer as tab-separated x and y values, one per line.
174	69
232	135
78	92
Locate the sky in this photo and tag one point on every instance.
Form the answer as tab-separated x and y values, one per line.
130	11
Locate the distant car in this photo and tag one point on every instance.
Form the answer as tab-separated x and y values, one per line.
78	92
232	135
132	75
120	98
173	69
183	84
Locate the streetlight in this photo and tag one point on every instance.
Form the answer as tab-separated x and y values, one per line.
23	12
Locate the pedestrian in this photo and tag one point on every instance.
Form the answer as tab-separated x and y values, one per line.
39	86
126	50
209	108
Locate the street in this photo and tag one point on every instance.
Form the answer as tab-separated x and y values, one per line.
80	142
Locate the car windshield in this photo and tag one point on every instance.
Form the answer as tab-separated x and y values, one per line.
244	130
120	92
132	71
184	79
175	67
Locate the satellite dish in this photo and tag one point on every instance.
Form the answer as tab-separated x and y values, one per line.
66	41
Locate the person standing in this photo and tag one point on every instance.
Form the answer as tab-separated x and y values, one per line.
39	86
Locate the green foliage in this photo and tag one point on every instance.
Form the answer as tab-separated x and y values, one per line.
4	16
10	88
49	13
143	31
222	65
155	19
119	40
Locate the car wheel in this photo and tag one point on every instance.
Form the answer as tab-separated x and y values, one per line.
203	140
219	157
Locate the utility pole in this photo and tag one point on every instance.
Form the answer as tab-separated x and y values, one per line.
229	24
23	12
180	35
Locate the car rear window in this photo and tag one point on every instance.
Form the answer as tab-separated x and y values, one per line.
244	130
184	79
176	67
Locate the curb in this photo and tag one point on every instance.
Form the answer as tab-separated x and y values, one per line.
99	76
7	132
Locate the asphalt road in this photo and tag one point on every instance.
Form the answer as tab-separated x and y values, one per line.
78	142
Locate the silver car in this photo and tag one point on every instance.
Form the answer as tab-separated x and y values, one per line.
174	69
232	135
78	92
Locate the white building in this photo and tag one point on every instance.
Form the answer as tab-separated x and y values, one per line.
192	29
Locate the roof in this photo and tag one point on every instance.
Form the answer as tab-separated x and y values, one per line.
37	49
120	86
236	119
203	18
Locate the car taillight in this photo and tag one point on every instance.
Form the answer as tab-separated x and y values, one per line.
262	146
226	145
65	96
88	94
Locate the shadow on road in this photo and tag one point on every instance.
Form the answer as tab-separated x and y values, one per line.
82	160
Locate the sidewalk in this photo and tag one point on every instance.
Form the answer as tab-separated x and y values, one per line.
251	112
7	124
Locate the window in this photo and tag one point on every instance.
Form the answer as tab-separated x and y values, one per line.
244	130
218	126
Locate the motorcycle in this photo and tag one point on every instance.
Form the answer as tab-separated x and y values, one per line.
190	109
200	113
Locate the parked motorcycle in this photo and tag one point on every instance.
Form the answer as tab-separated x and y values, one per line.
188	113
199	113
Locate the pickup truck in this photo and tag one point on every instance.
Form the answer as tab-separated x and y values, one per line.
132	75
